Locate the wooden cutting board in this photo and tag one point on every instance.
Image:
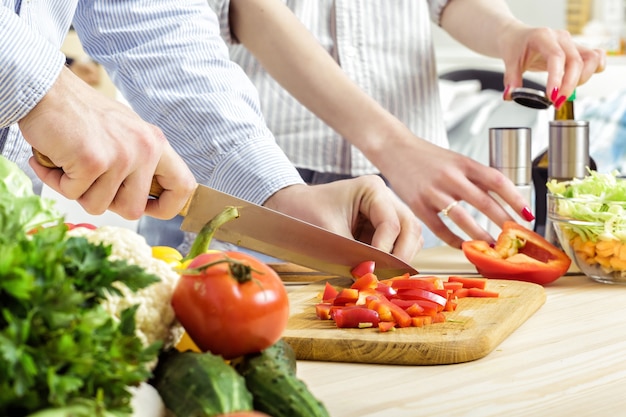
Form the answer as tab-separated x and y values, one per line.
471	332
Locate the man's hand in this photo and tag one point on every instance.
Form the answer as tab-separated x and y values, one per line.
363	208
107	153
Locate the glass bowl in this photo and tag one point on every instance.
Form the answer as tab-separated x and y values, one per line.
592	232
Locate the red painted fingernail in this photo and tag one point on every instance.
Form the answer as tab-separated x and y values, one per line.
560	102
505	94
555	94
527	214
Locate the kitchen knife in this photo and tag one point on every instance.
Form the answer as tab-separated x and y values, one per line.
276	234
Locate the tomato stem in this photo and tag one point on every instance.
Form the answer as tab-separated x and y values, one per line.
240	271
203	240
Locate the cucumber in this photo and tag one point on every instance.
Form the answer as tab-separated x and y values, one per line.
283	353
276	390
195	384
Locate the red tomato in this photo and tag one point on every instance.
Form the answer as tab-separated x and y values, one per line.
232	305
519	254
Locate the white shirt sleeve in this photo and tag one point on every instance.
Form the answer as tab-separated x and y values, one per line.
436	9
29	65
172	66
222	8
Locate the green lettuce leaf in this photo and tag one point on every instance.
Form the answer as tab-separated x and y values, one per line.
596	202
20	207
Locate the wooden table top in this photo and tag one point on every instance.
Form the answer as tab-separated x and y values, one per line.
569	358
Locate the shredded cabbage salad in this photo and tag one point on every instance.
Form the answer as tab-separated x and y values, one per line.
595	206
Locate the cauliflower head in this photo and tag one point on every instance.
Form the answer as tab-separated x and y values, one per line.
155	318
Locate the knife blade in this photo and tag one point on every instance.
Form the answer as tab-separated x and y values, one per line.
278	235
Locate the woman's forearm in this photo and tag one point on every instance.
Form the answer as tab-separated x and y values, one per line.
294	58
479	24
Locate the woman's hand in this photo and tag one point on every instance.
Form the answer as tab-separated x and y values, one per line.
541	49
430	179
490	28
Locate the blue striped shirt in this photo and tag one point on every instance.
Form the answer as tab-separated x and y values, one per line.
168	60
385	47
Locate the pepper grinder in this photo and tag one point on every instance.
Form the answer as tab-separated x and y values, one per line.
540	167
510	153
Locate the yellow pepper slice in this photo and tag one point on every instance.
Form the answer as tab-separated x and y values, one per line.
167	254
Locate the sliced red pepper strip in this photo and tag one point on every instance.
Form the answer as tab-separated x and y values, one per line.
419	294
477	292
389	281
469	282
402	303
413	283
356	317
460	293
452	286
401	317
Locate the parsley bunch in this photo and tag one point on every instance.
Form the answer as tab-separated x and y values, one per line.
58	345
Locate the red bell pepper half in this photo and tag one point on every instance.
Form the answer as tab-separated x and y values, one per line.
519	254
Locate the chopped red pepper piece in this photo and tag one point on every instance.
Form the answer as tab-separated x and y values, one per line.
368	280
401	301
346	296
329	293
366	267
322	311
385	326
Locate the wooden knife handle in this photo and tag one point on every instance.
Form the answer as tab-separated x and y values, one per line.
155	187
43	160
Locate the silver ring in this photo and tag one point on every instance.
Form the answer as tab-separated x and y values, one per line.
449	207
